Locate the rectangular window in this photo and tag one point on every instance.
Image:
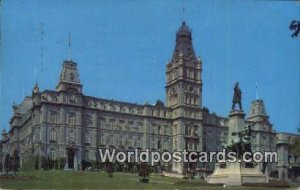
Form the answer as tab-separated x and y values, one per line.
87	138
120	141
140	111
53	117
71	119
165	130
102	140
71	137
137	143
86	155
52	136
152	129
153	143
191	74
107	126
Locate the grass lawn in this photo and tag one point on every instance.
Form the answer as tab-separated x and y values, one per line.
99	180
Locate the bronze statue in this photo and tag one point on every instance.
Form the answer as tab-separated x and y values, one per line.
240	142
246	139
237	97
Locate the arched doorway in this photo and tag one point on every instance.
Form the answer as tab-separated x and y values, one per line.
70	155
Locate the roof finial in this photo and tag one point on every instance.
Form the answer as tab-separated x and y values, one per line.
36	84
36	88
69	46
256	87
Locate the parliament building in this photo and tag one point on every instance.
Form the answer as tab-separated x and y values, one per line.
64	123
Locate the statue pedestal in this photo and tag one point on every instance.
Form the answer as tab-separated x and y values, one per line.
236	174
236	123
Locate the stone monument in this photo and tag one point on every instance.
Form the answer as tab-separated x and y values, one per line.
239	141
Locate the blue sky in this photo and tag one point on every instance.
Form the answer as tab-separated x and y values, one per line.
122	48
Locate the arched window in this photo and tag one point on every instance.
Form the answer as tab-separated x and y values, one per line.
72	76
52	155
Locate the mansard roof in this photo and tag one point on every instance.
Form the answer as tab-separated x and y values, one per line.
25	106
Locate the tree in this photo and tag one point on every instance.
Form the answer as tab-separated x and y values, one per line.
144	172
7	163
15	161
109	168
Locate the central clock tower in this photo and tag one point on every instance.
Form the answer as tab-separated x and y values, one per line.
184	80
184	97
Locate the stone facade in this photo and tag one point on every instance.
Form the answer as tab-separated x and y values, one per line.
288	164
65	123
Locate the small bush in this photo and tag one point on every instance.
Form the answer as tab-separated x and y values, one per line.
272	183
193	183
144	180
29	165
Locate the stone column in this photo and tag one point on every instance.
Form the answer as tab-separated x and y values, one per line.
283	155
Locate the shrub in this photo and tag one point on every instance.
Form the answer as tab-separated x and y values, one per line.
272	183
29	165
195	183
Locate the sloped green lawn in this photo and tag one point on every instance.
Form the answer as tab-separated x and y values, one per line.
99	180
